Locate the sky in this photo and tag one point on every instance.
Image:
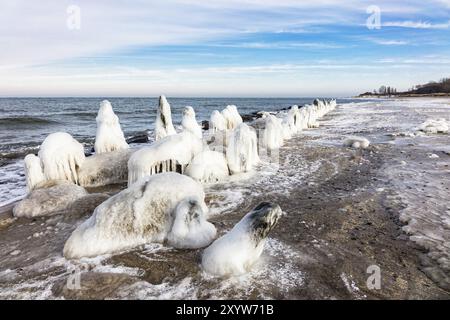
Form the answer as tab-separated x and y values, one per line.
221	48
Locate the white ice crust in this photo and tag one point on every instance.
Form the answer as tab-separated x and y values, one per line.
109	133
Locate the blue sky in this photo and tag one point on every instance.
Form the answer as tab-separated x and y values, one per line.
220	48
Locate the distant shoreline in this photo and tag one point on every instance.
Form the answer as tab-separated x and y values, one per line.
405	95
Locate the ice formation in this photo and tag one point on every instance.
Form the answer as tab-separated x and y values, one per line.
357	143
172	153
48	198
163	125
217	122
105	168
291	122
109	134
61	156
242	149
237	251
190	229
434	126
33	171
163	206
309	114
231	116
272	135
208	166
189	122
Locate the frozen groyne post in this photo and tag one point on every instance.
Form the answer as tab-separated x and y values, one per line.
163	125
109	135
61	156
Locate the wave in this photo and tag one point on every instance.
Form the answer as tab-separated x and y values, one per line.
25	121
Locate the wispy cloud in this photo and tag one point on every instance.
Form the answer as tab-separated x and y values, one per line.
385	42
281	45
417	25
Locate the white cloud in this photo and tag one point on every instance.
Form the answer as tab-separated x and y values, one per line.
389	42
416	25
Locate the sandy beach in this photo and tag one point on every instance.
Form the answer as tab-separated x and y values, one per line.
345	210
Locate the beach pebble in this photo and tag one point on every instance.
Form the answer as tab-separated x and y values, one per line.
15	252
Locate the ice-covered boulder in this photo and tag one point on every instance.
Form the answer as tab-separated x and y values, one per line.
242	149
163	124
208	166
237	251
109	133
33	171
189	122
231	116
217	122
434	126
166	206
357	143
105	168
49	198
61	156
170	154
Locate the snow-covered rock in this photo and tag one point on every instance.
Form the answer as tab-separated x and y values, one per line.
166	206
434	126
49	198
357	143
105	168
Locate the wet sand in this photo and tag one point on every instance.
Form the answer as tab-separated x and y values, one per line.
342	216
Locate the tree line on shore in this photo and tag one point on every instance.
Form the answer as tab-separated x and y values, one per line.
441	87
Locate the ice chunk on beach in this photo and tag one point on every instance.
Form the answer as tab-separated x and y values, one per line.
208	166
170	154
357	143
61	156
163	206
434	126
163	124
109	135
242	149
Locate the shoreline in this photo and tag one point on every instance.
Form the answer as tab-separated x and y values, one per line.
412	95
